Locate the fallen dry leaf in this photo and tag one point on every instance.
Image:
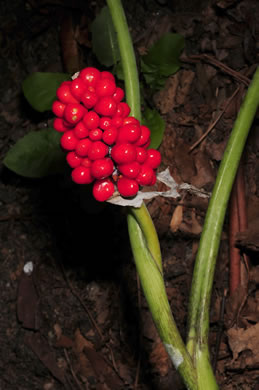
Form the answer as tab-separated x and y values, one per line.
27	303
177	218
43	351
240	340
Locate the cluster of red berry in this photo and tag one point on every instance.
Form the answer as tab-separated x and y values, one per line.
105	145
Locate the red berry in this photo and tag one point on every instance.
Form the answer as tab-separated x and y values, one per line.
64	94
153	158
68	140
74	113
91	120
144	137
110	135
80	130
95	134
102	168
82	175
82	147
107	75
118	95
123	153
90	75
105	87
97	150
117	121
131	120
58	108
73	159
146	145
60	125
106	106
129	133
103	189
153	181
105	122
145	175
123	109
86	162
130	170
127	187
89	99
77	88
141	155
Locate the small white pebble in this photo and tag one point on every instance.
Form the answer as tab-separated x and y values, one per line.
28	268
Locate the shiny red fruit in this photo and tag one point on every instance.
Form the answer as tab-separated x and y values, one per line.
123	109
77	88
68	140
153	158
91	120
95	134
153	181
58	108
117	121
107	75
74	112
64	94
97	150
145	175
60	125
89	99
131	120
83	146
144	137
130	170
110	135
127	187
123	153
105	122
103	189
118	95
82	175
129	133
86	162
90	76
141	154
106	106
105	87
80	130
73	159
102	168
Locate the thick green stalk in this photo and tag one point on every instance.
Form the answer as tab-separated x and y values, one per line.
198	321
143	236
128	58
155	293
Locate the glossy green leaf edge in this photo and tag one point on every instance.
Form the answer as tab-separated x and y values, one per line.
40	88
37	154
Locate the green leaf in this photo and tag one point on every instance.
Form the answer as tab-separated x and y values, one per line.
37	154
156	124
104	39
162	60
39	88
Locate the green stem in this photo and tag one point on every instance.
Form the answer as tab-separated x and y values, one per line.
128	58
155	293
143	236
198	321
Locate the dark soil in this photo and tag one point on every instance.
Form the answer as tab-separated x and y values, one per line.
79	321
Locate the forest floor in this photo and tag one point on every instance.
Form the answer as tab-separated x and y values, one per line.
80	321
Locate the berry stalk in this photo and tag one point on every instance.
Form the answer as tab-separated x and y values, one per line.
143	236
